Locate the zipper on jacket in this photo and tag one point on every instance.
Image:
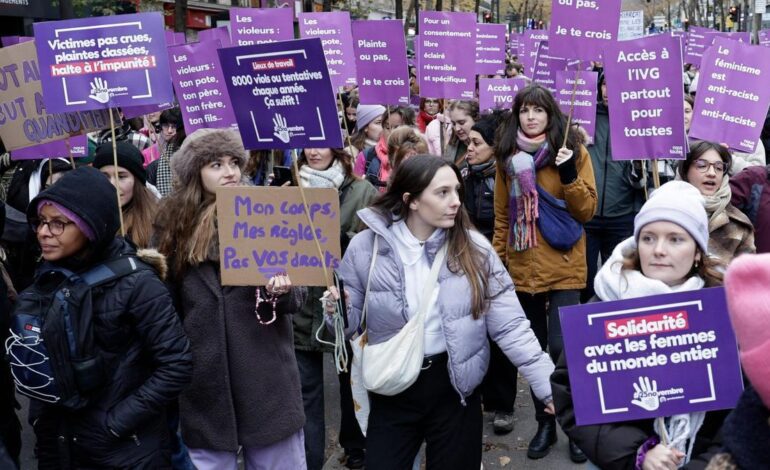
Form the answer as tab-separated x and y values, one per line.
135	438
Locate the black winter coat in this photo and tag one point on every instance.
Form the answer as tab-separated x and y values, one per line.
148	355
479	200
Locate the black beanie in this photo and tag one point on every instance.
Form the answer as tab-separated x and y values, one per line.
486	127
129	157
89	195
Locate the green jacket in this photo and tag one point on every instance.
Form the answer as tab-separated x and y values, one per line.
355	194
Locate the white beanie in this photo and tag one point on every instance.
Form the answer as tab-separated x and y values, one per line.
680	203
366	113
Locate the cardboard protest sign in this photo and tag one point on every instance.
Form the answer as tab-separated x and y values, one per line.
264	231
581	29
651	356
103	62
24	118
585	96
200	86
498	93
75	147
334	30
6	41
284	95
288	4
698	40
764	37
256	26
546	67
528	43
513	44
380	51
490	48
646	96
138	111
733	96
631	25
173	38
442	71
221	34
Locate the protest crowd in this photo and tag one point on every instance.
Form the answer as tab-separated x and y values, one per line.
484	212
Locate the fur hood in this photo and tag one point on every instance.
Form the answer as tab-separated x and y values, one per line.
203	147
156	260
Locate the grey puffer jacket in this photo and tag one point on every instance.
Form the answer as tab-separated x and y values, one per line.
466	338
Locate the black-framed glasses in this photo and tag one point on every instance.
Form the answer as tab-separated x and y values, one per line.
55	226
704	165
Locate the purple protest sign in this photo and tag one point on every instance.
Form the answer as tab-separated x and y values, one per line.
581	29
257	26
333	28
513	44
742	36
698	39
103	62
490	48
130	112
288	4
733	96
528	43
200	86
764	37
498	93
174	38
652	356
546	67
13	40
584	103
443	72
284	95
646	96
380	51
75	147
221	34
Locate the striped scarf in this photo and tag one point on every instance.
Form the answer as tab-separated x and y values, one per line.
523	202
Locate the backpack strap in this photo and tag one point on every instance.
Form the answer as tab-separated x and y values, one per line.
113	269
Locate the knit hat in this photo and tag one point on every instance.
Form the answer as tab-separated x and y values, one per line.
88	200
680	203
203	147
748	301
366	113
486	127
129	157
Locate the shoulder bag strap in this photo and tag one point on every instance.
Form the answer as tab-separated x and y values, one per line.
430	283
364	309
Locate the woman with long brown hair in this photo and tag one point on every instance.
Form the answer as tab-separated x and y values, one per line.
420	220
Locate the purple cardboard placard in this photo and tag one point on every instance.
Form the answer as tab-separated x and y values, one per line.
77	147
103	62
528	48
380	50
646	92
284	95
288	4
490	48
682	345
581	29
200	86
733	95
445	69
698	39
257	26
221	34
742	36
546	67
136	111
513	44
584	107
174	38
333	28
6	41
764	37
498	93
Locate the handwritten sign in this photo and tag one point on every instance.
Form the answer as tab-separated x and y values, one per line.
283	94
103	62
631	25
733	97
265	231
651	356
24	119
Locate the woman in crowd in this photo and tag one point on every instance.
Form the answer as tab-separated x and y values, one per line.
172	135
245	389
350	105
369	123
417	221
170	120
429	109
374	163
499	386
137	330
667	253
137	202
463	115
707	168
438	133
328	168
751	194
404	143
529	154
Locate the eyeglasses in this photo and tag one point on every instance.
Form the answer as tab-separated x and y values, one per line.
56	227
704	165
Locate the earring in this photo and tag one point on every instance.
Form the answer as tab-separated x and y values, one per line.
697	262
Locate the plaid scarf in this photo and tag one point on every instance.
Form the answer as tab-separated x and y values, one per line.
165	177
523	202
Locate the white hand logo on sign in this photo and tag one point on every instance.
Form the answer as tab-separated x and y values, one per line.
646	395
99	90
281	129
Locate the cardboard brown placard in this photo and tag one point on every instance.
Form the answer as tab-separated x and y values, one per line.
265	230
23	120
